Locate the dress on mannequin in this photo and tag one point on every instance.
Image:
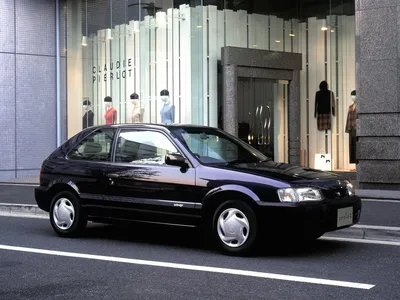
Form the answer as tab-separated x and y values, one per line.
324	106
88	117
351	125
168	109
111	113
137	112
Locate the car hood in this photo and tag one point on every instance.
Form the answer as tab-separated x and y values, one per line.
285	172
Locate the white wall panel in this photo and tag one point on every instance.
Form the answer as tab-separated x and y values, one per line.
236	28
304	112
276	33
258	31
145	69
213	53
221	37
185	65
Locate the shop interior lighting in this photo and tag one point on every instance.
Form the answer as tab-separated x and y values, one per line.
277	41
292	34
324	28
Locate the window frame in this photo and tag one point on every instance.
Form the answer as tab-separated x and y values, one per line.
136	129
73	147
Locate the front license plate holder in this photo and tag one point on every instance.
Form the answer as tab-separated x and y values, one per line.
344	216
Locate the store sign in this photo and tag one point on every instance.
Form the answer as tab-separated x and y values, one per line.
112	71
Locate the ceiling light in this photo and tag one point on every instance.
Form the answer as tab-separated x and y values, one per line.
277	41
324	28
292	34
199	26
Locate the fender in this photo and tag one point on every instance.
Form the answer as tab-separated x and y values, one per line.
231	188
64	181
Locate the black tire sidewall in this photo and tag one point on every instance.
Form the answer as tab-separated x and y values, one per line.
249	245
80	220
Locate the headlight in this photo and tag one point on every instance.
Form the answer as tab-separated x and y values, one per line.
299	195
350	188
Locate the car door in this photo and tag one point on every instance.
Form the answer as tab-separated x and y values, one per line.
86	164
141	186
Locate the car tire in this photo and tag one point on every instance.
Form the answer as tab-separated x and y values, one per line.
234	228
67	216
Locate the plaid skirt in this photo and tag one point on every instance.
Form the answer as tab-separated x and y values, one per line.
324	121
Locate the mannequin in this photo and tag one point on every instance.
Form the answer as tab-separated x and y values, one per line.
88	117
324	106
137	112
168	110
351	125
111	113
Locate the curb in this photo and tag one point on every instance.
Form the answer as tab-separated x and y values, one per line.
378	194
367	232
26	209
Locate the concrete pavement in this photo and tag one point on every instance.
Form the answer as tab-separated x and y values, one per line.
152	262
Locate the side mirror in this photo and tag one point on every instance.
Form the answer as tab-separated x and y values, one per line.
176	160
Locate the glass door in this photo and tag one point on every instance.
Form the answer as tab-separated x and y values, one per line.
262	115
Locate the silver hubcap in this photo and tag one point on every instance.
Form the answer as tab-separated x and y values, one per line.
63	214
233	227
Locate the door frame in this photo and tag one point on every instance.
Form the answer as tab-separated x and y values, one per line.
254	63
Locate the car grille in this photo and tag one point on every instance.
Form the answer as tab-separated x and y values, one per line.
336	193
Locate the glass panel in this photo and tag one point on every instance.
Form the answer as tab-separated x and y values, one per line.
143	147
96	147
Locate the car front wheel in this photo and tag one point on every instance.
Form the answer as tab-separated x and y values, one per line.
235	227
67	217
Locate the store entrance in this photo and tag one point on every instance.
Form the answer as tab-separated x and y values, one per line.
262	115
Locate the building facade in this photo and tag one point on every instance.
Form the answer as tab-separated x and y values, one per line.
307	82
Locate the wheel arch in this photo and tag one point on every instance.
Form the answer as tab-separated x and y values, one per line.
62	186
217	196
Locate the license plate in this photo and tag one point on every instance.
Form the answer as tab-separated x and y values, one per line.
344	216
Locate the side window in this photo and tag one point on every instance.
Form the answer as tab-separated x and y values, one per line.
143	147
96	147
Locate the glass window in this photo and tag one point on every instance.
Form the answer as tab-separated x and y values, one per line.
212	146
143	147
96	147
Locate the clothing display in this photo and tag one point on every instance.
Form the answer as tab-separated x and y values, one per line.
167	113
351	124
111	116
137	112
87	120
324	106
88	117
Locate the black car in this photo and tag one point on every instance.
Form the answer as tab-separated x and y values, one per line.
189	176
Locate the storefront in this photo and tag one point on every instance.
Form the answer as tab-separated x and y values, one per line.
163	62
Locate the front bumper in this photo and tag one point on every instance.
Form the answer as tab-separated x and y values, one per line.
311	218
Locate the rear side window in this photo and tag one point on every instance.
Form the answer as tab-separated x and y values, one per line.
96	147
143	147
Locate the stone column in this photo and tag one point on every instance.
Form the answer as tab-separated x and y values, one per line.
294	119
378	90
230	99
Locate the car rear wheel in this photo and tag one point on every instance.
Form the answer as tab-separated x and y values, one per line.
235	227
67	217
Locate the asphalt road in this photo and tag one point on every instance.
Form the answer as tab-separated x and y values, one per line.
375	212
144	274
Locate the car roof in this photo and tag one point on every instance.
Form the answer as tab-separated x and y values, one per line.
153	126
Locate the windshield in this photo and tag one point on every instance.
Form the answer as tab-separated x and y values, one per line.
213	146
